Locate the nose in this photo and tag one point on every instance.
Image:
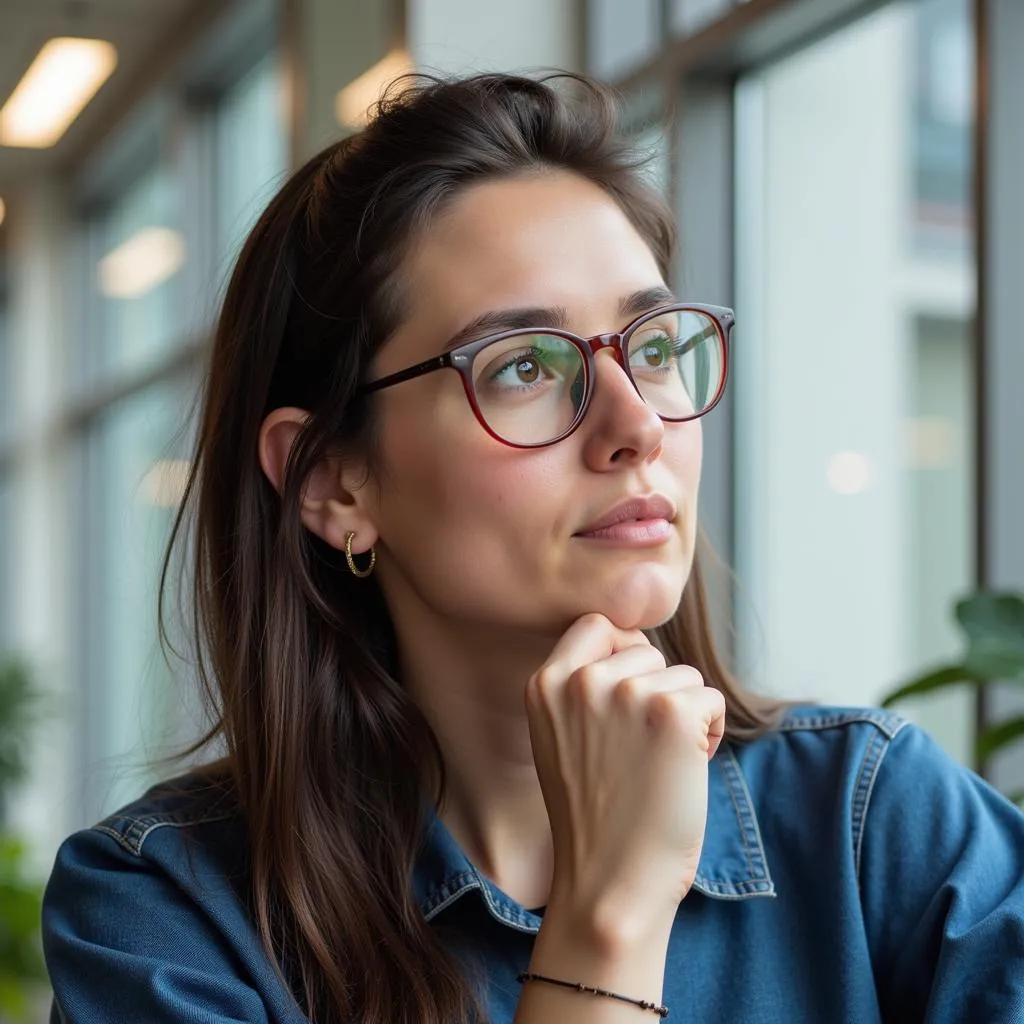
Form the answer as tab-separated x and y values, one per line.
619	424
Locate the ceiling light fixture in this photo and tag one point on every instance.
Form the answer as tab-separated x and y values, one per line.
64	77
138	265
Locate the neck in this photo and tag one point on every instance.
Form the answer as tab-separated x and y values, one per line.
472	695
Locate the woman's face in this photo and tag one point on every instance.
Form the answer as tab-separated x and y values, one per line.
470	529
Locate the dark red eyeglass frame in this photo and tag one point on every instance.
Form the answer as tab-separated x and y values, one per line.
461	359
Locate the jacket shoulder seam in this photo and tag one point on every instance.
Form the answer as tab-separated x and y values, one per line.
131	833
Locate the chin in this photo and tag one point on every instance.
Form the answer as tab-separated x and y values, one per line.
644	598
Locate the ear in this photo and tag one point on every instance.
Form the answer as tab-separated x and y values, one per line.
336	500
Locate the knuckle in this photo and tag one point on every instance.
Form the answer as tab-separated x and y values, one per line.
541	686
627	692
663	709
695	675
584	682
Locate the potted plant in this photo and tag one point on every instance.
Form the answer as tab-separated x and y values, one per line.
993	627
21	962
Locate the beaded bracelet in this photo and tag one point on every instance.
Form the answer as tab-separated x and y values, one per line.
661	1011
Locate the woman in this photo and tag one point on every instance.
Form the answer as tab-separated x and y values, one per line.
482	760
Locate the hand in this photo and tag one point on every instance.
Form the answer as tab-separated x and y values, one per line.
622	744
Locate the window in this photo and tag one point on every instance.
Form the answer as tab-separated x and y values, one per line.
138	250
622	34
132	474
251	155
853	376
690	16
7	539
6	367
942	112
6	482
151	297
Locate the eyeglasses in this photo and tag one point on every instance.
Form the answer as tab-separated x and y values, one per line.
531	388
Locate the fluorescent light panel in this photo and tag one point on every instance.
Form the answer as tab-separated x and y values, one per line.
139	264
64	77
352	105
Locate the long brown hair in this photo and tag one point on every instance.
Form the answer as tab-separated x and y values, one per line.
325	752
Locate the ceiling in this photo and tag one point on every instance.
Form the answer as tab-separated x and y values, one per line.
143	31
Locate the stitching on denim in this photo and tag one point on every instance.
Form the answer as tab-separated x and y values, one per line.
449	893
734	890
750	830
862	796
886	721
117	837
137	830
505	913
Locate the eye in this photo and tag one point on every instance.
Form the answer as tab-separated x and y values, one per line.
655	351
511	365
521	368
527	369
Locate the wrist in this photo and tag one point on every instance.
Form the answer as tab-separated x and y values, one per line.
611	926
599	944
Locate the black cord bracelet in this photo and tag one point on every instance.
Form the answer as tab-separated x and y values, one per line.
578	986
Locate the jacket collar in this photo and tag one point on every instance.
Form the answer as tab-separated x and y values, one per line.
732	866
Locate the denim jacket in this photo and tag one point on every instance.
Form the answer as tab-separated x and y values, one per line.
850	872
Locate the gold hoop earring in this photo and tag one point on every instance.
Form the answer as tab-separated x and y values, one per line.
353	568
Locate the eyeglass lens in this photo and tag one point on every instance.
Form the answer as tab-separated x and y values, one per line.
530	387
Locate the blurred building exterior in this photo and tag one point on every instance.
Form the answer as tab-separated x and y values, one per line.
821	159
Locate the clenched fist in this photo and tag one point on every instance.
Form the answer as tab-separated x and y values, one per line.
621	744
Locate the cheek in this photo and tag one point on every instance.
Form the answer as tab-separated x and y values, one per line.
683	452
444	474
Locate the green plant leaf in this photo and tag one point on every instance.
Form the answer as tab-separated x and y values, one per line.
994	624
998	736
937	679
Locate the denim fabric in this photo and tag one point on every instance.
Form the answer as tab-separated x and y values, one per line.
851	872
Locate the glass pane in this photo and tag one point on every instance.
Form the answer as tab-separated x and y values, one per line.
853	374
621	35
6	367
138	251
943	98
6	562
690	16
134	469
251	155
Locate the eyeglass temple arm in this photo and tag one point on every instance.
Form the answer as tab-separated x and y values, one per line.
427	366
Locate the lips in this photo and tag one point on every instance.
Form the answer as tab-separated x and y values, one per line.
640	509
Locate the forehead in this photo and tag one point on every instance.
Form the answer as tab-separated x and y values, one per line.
546	239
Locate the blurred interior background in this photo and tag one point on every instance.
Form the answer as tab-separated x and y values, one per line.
845	174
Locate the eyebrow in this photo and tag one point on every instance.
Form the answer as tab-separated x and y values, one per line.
525	317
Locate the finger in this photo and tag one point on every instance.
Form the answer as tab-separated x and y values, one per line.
711	703
589	639
674	677
639	661
699	708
